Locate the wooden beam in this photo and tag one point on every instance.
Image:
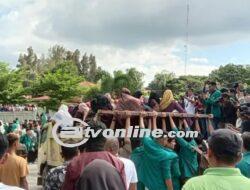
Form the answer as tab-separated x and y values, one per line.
150	114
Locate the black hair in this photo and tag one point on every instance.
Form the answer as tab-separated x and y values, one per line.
95	144
155	96
100	102
69	153
138	94
224	90
232	90
246	140
225	145
236	85
212	83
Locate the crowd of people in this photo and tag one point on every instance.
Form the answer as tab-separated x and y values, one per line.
14	108
28	133
219	158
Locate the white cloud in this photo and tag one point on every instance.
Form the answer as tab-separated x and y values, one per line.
199	60
149	60
145	34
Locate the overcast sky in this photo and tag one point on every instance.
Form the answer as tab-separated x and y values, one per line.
146	34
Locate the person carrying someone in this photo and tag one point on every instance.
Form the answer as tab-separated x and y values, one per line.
157	164
187	154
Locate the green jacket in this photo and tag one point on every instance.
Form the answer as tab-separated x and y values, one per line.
154	164
29	142
213	101
187	156
244	164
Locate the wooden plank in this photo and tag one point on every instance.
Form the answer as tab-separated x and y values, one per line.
151	114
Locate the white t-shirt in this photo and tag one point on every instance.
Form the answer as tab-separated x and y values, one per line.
4	187
130	171
1	127
189	107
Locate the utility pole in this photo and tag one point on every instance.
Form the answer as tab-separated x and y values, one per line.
187	38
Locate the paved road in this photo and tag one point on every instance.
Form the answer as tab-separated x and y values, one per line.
32	178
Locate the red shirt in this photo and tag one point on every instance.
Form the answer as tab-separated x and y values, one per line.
77	165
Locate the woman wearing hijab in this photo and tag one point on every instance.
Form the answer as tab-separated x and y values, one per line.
168	103
100	175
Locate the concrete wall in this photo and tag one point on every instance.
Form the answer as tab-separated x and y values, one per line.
22	115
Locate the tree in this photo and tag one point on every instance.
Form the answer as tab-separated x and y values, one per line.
120	80
29	60
83	66
107	83
60	84
229	74
135	79
76	58
11	88
100	74
92	68
178	85
161	80
57	54
30	65
131	79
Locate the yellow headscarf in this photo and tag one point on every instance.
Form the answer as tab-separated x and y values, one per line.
167	99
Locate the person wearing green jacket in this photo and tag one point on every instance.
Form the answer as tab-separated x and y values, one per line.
213	101
30	141
44	119
244	164
156	163
153	164
187	154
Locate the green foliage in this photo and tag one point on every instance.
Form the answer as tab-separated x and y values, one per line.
58	76
107	83
61	83
131	79
229	74
91	92
135	79
11	88
161	81
179	86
